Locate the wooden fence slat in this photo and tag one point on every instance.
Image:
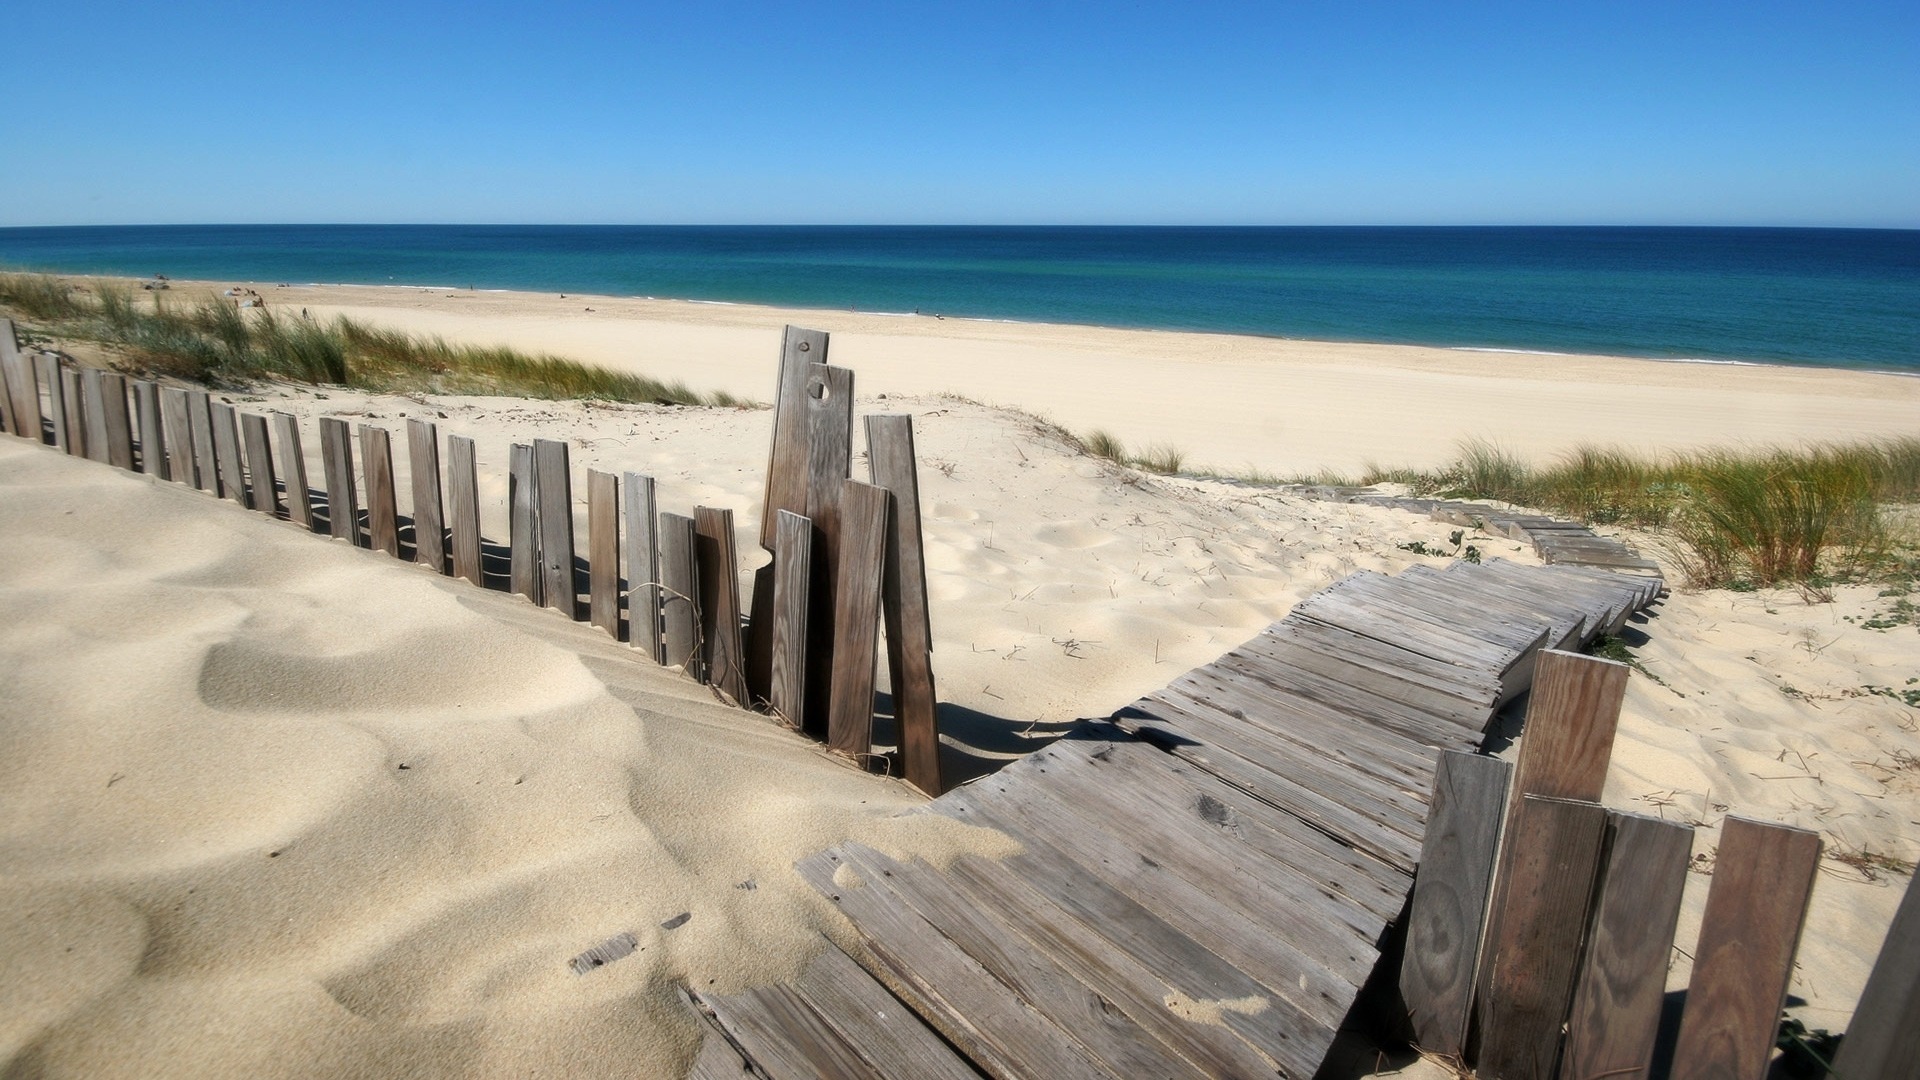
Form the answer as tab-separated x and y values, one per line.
153	440
1762	880
1617	998
903	601
178	435
343	502
603	551
787	626
383	515
1555	851
523	537
863	537
261	495
680	591
93	393
37	368
9	379
50	373
228	464
22	390
463	507
1450	898
293	462
719	576
119	420
75	396
553	486
643	567
206	469
1884	1037
829	406
787	466
429	525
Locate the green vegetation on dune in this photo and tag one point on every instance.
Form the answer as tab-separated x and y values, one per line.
215	341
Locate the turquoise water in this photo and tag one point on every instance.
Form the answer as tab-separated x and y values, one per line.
1823	297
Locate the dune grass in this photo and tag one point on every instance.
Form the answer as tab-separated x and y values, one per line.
1161	458
214	341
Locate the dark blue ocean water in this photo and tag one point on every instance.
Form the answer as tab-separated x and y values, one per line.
1827	297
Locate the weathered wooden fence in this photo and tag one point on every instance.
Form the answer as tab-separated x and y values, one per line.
844	554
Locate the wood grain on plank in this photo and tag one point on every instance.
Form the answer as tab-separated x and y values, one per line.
261	495
1617	999
829	413
1450	898
785	1037
792	583
903	593
643	567
679	593
12	391
293	465
118	420
720	602
50	373
863	535
1567	739
553	487
523	534
343	501
178	435
206	467
1883	1039
74	399
429	521
869	1017
603	551
1531	964
22	393
383	513
93	391
228	464
153	437
1762	879
463	507
788	458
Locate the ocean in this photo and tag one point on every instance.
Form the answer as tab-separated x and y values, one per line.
1820	297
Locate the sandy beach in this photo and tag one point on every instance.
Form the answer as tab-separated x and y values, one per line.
278	807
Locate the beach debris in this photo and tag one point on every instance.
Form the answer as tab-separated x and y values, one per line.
677	921
604	953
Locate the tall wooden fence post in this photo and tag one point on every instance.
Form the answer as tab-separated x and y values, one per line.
829	411
153	437
383	513
643	567
463	506
293	463
93	391
903	601
178	436
119	421
206	470
74	397
856	626
523	539
680	591
260	480
792	582
553	487
343	503
226	452
718	568
429	528
22	392
787	482
603	551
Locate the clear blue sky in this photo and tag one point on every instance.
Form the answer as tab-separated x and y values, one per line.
1663	112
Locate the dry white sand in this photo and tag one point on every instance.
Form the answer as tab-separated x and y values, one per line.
211	860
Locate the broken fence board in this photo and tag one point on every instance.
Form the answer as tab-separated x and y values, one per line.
1532	962
1762	879
1450	898
1617	999
643	567
863	534
383	514
904	605
343	502
679	592
603	551
523	535
179	436
293	464
260	481
553	488
423	468
1884	1035
829	412
720	602
463	508
153	437
787	634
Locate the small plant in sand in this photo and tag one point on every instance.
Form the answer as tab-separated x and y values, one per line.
1159	458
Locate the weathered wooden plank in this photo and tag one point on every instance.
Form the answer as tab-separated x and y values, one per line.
74	397
1616	1001
785	1037
383	515
553	487
50	373
206	465
1762	879
792	564
1450	898
153	440
856	637
261	495
788	458
603	551
1883	1039
178	436
93	390
680	595
22	392
343	502
643	567
423	467
719	576
718	1060
873	1021
523	500
231	468
293	464
903	601
463	507
829	411
119	420
1531	963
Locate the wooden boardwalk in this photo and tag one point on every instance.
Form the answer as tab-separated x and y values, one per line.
1558	542
1206	877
